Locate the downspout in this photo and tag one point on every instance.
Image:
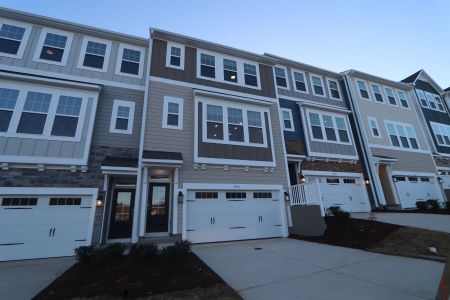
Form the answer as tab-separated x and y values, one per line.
377	190
138	193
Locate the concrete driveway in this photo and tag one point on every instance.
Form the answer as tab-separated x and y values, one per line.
425	221
26	278
292	269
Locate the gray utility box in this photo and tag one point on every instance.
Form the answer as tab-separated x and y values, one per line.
307	220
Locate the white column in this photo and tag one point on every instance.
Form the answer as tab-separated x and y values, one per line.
175	202
144	199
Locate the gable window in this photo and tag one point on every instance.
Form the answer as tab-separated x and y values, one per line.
214	117
374	127
11	39
95	54
333	88
363	90
175	56
235	125
8	100
402	97
122	118
288	124
402	135
66	118
439	103
390	96
317	85
250	75
207	65
130	61
300	81
230	70
53	47
173	113
328	127
441	133
430	99
255	129
34	115
377	92
422	98
280	77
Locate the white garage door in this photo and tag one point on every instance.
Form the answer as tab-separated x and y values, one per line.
347	192
43	226
214	216
412	189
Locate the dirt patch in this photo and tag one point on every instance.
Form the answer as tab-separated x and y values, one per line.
136	277
416	211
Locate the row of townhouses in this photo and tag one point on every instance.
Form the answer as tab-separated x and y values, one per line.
107	137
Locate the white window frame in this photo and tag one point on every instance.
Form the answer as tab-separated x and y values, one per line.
440	127
178	101
437	101
25	38
404	125
328	79
359	90
369	119
41	41
87	39
397	93
322	127
385	88
419	91
373	92
244	108
219	76
311	75
291	119
47	132
120	57
285	76
304	77
168	54
112	125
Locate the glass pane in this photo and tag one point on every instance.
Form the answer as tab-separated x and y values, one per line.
5	119
93	61
9	46
235	116
65	126
340	123
254	118
314	119
122	124
362	85
37	102
250	69
123	207
256	135
131	55
279	72
69	106
31	123
173	108
236	133
158	201
229	65
172	119
96	48
214	113
123	111
55	40
8	98
129	67
327	121
316	81
12	32
299	77
214	130
50	53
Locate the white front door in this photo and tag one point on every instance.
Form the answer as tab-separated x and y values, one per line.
232	215
411	189
43	226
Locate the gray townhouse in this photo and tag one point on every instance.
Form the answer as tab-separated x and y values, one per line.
71	102
321	145
401	165
434	114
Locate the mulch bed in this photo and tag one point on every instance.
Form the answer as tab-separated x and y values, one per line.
416	211
132	277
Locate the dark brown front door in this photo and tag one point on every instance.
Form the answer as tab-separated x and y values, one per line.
158	207
121	222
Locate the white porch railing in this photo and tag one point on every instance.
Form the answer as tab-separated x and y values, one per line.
306	194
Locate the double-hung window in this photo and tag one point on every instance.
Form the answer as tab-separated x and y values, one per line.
122	118
235	125
316	126
8	101
207	65
442	133
438	100
173	113
402	97
255	127
130	61
300	82
331	128
342	129
402	135
175	56
377	92
374	127
430	99
13	38
54	48
214	122
280	77
250	75
286	115
95	55
422	98
333	88
66	118
230	70
362	87
34	114
412	137
390	96
317	85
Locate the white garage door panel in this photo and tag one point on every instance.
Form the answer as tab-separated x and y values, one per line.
411	191
232	220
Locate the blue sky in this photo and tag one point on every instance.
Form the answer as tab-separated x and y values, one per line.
392	39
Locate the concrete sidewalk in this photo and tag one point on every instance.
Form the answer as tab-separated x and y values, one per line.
292	269
26	278
425	221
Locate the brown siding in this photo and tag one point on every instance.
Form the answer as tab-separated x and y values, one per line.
332	166
295	147
212	150
189	74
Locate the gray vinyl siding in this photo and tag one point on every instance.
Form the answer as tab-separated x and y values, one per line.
408	161
101	135
163	139
72	62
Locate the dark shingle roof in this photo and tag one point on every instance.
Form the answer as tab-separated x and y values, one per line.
411	78
127	162
447	89
162	155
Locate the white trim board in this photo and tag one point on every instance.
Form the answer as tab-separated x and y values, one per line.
331	173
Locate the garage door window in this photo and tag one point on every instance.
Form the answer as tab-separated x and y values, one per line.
262	195
236	195
206	195
412	179
333	180
19	202
65	201
424	179
349	181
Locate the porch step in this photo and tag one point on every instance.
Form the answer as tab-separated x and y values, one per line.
161	242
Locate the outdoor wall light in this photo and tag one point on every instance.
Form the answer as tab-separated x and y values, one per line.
440	180
100	200
286	196
394	179
302	179
180	197
366	181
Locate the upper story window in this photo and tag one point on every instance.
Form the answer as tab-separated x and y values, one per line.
13	38
130	61
402	97
422	98
329	127
374	127
122	118
8	100
53	47
175	56
280	77
333	88
288	124
234	124
431	100
173	113
377	92
390	96
66	117
230	70
317	85
441	133
300	81
401	135
207	65
95	54
34	114
250	74
362	87
439	103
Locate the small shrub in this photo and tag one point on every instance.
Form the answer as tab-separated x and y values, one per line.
99	256
84	254
423	205
111	250
174	254
446	205
340	216
149	251
434	204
